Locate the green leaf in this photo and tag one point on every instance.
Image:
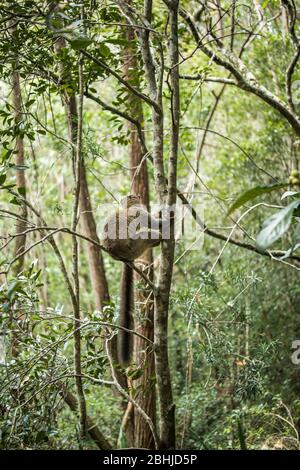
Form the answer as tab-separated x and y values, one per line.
36	275
15	201
22	190
15	286
275	226
104	50
29	103
253	193
118	41
80	43
2	179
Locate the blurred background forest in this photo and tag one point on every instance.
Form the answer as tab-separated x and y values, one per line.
93	93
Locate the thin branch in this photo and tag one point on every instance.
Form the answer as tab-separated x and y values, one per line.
108	69
77	164
120	113
202	78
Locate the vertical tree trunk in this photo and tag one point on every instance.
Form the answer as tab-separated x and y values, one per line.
142	356
20	173
167	196
162	298
75	264
142	437
21	224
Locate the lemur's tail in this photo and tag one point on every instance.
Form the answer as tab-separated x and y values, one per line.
125	340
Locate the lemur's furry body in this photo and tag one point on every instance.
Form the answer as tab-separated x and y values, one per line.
127	234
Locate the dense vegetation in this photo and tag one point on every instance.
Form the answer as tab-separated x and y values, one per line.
174	101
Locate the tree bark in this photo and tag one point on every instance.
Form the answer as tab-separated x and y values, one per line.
21	225
162	299
167	197
142	438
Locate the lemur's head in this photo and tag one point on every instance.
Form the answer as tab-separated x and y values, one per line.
130	201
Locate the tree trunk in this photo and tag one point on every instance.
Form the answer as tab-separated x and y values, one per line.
21	224
143	437
143	358
20	173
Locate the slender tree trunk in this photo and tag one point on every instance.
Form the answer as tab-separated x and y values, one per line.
162	299
143	437
143	358
20	173
75	262
21	224
154	73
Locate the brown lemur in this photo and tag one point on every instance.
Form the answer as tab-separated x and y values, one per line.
127	233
